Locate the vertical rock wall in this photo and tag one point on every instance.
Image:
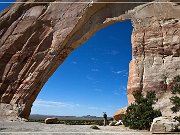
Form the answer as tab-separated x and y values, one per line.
156	48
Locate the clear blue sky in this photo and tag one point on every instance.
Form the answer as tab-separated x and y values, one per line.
93	79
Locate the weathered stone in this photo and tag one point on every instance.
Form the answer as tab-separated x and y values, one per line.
118	115
118	123
112	123
37	37
115	123
164	124
51	121
165	105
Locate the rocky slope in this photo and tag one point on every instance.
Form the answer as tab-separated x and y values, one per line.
37	37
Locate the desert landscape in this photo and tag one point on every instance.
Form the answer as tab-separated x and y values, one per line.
34	127
36	37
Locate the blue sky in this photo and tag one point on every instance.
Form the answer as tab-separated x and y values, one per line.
93	79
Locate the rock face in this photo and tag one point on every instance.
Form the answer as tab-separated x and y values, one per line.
37	37
119	114
164	124
165	105
156	49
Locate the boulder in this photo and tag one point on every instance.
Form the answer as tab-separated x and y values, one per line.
115	123
164	124
118	123
112	123
119	114
51	120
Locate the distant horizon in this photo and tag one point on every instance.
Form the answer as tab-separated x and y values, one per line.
69	115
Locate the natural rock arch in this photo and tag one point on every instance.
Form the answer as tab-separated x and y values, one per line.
37	37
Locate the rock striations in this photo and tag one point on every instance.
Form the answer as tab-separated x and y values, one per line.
37	37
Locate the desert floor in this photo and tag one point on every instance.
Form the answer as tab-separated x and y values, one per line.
30	128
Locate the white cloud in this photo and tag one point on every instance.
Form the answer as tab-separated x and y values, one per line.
77	104
95	108
53	104
122	90
118	72
94	59
95	82
98	90
125	74
117	93
89	78
46	107
113	52
74	62
95	70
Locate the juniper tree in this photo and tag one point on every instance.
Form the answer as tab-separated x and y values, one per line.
141	113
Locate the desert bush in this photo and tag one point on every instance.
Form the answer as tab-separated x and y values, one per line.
81	122
176	102
36	120
175	90
177	118
140	114
73	122
176	85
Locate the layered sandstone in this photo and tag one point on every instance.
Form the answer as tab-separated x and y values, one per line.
118	115
37	37
156	49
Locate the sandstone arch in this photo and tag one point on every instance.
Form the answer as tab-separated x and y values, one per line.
37	37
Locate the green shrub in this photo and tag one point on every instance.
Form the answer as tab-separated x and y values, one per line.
73	122
140	114
177	118
81	122
176	101
176	85
176	90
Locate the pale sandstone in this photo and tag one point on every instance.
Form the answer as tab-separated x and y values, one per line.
118	115
164	124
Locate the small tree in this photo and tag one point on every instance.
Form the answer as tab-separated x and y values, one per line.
175	99
140	114
176	85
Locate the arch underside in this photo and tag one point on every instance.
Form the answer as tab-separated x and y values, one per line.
36	39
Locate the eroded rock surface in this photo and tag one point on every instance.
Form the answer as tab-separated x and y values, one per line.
118	115
164	124
156	49
37	37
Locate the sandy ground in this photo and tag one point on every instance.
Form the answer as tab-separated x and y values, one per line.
31	128
41	128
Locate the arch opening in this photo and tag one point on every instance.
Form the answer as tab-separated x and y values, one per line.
93	78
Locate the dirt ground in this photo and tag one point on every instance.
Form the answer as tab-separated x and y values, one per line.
31	128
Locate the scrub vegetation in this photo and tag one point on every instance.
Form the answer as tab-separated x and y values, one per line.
140	114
